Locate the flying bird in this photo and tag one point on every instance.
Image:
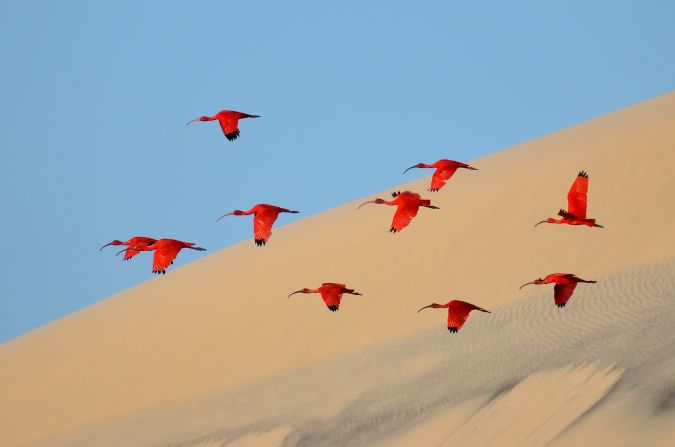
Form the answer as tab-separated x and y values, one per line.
564	286
228	120
265	216
458	312
331	294
408	203
577	200
444	170
134	241
166	251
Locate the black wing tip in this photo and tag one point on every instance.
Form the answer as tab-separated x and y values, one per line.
434	189
583	174
392	230
159	272
232	136
333	308
260	242
454	330
395	193
560	306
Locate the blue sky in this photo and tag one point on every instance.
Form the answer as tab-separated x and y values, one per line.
95	97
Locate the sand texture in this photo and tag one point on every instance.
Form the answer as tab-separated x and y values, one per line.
214	354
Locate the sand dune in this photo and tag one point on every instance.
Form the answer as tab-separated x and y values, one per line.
214	353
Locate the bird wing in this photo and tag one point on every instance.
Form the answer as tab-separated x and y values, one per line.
229	125
563	292
262	224
440	176
130	254
577	198
331	296
404	214
164	257
138	242
458	312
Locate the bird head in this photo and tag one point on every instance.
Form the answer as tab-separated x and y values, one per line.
418	165
305	290
433	306
536	281
549	220
115	242
231	213
378	201
201	118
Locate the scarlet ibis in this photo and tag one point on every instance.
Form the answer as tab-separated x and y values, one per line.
458	312
577	200
265	216
444	170
564	286
331	294
408	204
134	241
166	251
229	122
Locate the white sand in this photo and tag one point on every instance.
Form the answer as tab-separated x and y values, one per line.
214	353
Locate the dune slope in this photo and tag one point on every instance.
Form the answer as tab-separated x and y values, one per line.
214	351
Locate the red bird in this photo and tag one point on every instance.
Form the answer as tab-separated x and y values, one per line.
564	286
458	312
408	204
444	170
265	216
229	121
134	241
577	200
166	251
331	294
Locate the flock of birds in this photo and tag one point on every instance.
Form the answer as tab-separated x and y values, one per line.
407	205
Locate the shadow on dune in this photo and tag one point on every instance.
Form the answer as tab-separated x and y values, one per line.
622	323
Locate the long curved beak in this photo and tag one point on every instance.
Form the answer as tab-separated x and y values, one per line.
543	221
414	166
224	215
297	291
527	284
190	122
105	246
471	168
365	203
424	307
433	207
483	310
